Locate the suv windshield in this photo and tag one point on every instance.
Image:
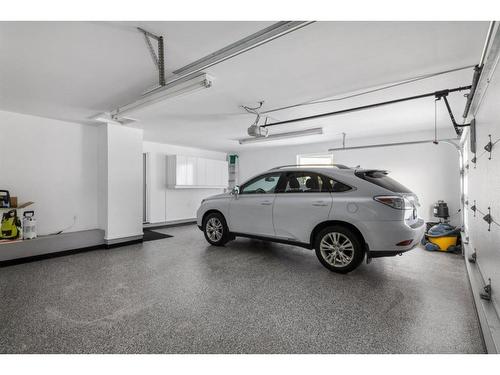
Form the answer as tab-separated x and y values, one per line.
381	179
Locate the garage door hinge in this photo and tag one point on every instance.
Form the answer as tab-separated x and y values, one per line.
489	147
486	293
488	219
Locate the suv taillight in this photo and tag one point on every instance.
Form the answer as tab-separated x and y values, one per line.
395	201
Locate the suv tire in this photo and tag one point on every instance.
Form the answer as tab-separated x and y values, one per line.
215	229
339	249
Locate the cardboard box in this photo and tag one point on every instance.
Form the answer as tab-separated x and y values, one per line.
13	202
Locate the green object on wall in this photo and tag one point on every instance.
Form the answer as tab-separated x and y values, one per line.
232	159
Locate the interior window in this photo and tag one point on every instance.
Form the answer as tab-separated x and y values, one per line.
303	182
315	159
261	185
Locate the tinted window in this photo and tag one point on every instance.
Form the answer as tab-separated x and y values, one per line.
381	179
302	182
335	186
261	185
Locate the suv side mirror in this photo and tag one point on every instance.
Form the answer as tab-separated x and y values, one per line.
235	191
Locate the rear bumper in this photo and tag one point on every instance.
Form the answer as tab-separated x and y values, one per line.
383	236
383	254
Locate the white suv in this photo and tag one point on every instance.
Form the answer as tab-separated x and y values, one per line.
344	214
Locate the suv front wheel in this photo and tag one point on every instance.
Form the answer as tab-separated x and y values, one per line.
339	249
215	229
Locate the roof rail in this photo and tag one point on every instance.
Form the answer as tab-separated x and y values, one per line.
339	166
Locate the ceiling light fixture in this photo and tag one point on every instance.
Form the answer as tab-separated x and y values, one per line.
272	137
178	88
175	89
107	118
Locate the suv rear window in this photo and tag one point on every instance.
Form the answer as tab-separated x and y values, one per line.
381	179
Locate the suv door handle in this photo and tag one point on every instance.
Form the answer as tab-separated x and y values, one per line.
320	204
266	203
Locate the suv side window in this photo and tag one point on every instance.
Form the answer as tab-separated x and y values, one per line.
335	186
262	184
302	182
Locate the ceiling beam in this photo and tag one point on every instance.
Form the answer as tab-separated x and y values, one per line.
259	38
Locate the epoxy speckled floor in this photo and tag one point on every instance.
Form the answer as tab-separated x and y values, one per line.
179	295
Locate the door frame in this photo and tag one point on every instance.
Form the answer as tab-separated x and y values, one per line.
146	186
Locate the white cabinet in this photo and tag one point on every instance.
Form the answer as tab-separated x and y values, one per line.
194	172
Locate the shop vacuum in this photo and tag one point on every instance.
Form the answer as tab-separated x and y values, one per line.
441	236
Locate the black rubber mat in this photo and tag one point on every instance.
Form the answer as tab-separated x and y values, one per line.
151	235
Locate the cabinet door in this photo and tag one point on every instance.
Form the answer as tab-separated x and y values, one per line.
190	170
180	170
218	173
225	174
201	172
211	173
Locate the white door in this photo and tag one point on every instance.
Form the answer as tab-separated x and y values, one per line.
251	211
303	201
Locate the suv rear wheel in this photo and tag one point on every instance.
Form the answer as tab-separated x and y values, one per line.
339	249
215	229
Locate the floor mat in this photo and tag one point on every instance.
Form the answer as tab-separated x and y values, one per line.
151	235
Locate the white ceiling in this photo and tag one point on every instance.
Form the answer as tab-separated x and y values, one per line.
73	70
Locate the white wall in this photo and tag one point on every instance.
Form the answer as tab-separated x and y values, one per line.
173	204
52	163
431	171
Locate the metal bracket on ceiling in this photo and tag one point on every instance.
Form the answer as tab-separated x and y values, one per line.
444	95
158	57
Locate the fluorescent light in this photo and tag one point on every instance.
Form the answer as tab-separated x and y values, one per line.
174	89
272	137
107	118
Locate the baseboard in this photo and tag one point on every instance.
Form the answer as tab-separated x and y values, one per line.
169	224
45	247
29	259
486	312
123	241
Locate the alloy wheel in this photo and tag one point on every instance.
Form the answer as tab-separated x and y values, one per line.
214	229
337	249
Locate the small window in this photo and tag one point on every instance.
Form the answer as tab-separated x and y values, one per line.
261	185
338	187
315	159
303	182
329	184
